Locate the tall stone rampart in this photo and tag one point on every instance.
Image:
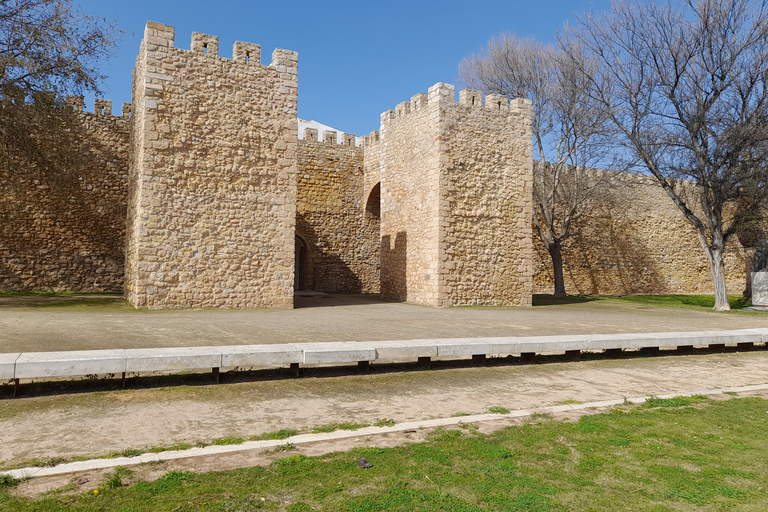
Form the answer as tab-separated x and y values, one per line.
63	184
456	200
410	200
487	202
634	240
212	203
342	239
201	195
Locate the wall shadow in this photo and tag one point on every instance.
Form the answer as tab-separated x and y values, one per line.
394	267
323	270
63	188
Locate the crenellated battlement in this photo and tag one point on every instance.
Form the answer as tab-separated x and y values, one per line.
370	139
158	36
101	107
329	137
442	94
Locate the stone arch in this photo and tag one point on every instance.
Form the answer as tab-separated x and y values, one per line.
373	204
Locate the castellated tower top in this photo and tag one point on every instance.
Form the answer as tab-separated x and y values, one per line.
443	95
158	36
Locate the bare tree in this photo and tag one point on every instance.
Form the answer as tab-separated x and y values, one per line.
47	49
686	85
47	45
569	130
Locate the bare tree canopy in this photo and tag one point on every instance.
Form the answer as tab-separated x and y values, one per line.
686	85
47	49
48	45
569	130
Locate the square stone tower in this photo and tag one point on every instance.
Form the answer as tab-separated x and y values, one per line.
456	199
212	194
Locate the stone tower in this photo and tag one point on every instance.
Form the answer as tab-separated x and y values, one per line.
212	194
456	199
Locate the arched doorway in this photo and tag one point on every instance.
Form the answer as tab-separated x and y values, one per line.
301	266
373	204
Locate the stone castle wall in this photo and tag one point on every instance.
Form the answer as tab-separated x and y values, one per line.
410	201
63	184
201	193
342	241
488	202
634	240
455	190
212	204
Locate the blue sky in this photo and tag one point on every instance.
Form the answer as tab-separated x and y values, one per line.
356	59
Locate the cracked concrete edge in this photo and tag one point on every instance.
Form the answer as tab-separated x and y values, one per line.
94	464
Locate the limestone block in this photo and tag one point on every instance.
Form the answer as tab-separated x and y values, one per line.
760	288
338	352
463	347
538	344
70	363
261	355
8	365
405	349
170	359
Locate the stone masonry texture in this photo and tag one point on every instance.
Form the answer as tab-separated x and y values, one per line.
212	201
342	241
201	194
63	201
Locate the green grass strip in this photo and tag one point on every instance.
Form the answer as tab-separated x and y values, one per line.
671	454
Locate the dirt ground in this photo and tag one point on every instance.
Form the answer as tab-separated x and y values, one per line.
94	423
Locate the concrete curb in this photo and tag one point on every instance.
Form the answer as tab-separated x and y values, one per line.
94	464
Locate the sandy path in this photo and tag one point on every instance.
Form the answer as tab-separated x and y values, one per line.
91	424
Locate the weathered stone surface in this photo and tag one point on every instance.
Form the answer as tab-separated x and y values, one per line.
634	240
245	356
202	195
341	236
760	288
8	365
455	200
70	363
212	198
172	359
62	210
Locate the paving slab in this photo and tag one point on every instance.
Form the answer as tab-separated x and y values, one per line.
405	349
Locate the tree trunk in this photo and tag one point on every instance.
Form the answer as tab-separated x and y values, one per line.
555	251
718	279
749	255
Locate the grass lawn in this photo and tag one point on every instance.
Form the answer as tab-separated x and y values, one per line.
676	454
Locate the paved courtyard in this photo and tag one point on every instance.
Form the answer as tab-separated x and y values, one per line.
51	323
72	421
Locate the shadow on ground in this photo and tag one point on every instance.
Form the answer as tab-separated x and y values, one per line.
551	300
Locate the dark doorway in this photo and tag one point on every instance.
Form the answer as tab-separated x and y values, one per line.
301	266
373	204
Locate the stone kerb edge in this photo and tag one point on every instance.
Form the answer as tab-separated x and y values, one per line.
8	366
111	361
69	363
